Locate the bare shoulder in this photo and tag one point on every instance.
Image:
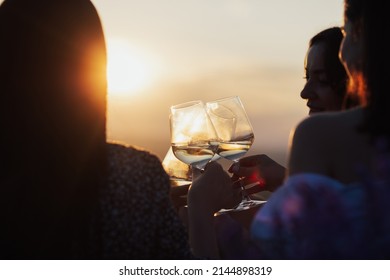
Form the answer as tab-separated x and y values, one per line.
315	140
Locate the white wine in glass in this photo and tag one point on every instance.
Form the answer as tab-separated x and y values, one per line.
236	149
193	137
179	172
235	136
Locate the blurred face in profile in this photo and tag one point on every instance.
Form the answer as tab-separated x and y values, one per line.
318	90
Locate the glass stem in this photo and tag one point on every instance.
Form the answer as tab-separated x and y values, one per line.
245	197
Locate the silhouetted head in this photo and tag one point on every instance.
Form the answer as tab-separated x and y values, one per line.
366	57
52	118
53	62
326	78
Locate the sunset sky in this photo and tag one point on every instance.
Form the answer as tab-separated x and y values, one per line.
164	52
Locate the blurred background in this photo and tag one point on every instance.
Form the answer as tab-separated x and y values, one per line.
164	52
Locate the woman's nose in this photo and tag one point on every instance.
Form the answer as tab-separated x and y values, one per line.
307	91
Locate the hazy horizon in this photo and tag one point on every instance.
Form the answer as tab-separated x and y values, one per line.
201	49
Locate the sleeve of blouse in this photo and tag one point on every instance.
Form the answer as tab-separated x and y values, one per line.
303	219
316	217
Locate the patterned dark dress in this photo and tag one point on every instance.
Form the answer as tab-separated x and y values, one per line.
138	220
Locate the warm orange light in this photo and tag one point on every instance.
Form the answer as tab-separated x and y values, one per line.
127	69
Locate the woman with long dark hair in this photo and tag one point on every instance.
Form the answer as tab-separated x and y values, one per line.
334	202
65	192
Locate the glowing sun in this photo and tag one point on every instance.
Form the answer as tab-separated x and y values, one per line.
127	68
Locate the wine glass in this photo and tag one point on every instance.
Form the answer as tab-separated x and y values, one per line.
179	172
235	135
180	177
193	137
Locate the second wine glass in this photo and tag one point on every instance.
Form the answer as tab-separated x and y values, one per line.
235	135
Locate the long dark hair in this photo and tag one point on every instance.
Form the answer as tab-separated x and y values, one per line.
371	20
52	122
